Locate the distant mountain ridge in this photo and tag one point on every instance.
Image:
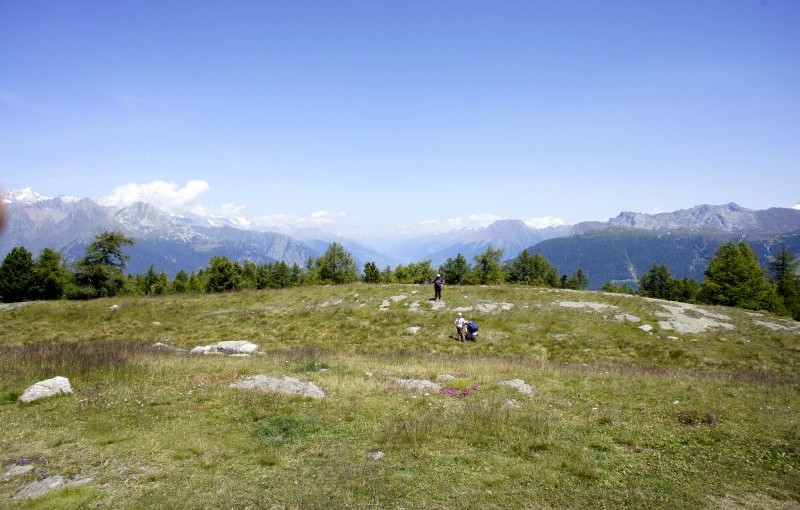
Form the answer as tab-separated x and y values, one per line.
618	250
164	240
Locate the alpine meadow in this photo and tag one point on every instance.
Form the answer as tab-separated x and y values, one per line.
568	399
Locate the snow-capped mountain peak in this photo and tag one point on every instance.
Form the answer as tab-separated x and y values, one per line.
24	196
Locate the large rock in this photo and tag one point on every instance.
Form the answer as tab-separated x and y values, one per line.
227	347
417	384
286	385
519	385
46	388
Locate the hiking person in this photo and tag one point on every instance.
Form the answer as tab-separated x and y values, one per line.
460	327
437	287
470	330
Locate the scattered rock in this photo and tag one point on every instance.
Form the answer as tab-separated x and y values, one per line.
413	330
445	377
286	386
463	309
778	327
227	347
647	328
113	308
519	385
4	307
398	298
46	388
17	470
41	487
491	307
417	384
437	305
377	455
586	304
623	317
160	346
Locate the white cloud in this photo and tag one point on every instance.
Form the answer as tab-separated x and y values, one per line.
544	222
796	206
167	196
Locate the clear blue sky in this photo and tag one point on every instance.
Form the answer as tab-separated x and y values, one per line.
375	114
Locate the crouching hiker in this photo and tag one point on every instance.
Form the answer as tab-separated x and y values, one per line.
470	330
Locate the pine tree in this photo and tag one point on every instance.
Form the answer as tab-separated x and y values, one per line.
99	273
783	269
488	269
532	270
51	275
657	283
735	278
455	271
17	274
371	273
336	266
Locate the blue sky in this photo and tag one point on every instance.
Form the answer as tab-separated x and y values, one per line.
384	117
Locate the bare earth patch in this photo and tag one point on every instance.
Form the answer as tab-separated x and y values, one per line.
753	502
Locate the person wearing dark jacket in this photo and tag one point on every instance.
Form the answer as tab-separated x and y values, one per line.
437	287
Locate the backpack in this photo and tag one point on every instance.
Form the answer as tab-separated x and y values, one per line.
472	327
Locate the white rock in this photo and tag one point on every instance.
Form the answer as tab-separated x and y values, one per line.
237	346
113	308
36	489
227	347
520	385
286	385
417	384
647	328
413	330
16	470
46	388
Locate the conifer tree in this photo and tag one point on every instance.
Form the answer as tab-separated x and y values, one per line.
735	278
17	275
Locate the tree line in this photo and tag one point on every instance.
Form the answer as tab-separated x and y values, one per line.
100	273
734	276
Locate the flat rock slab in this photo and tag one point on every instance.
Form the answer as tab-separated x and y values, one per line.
226	347
41	487
286	385
16	470
47	388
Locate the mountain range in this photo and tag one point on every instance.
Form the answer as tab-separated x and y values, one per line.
618	250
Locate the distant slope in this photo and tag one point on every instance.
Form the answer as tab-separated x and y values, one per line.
623	255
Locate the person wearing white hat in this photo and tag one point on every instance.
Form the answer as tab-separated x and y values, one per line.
460	327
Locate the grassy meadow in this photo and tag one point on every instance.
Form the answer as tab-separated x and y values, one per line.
619	417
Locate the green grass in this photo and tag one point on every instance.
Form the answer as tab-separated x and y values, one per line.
619	418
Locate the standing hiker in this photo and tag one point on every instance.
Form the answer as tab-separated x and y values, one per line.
460	327
437	287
